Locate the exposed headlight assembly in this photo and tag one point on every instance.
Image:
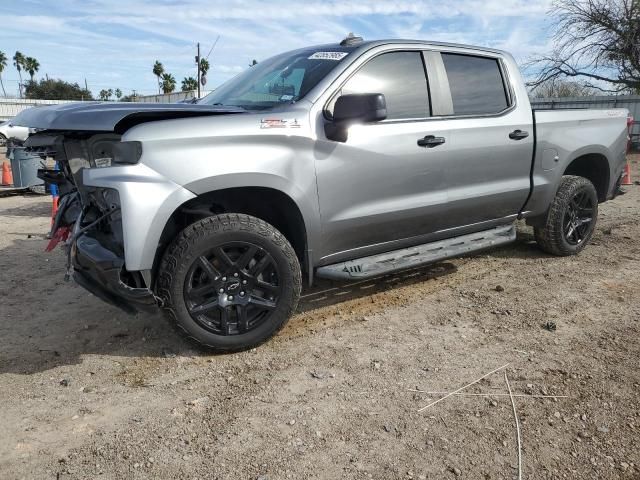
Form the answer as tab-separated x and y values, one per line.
127	152
106	150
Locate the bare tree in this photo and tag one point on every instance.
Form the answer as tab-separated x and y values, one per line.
556	88
597	40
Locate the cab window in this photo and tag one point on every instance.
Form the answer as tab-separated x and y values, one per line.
476	84
400	76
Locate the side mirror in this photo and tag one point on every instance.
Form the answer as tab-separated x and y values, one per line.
357	108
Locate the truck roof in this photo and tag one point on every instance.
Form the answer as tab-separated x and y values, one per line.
367	44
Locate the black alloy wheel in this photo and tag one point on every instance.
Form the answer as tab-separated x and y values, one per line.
578	218
229	282
233	288
571	219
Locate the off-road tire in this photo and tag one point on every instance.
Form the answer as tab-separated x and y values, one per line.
551	237
196	239
3	140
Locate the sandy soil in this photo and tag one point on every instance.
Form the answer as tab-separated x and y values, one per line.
89	392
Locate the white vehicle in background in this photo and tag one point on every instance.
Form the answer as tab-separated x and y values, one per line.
8	131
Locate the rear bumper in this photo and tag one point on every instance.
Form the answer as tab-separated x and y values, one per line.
98	270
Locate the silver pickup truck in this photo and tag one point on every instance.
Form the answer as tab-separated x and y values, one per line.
344	161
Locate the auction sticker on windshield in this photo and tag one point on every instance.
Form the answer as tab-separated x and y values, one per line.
328	56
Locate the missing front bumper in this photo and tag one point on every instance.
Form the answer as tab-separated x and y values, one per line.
99	270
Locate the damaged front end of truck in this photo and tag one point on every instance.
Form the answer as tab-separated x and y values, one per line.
98	174
89	219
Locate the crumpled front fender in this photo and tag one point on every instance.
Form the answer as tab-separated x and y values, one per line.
147	200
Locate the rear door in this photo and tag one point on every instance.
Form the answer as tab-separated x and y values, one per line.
380	186
491	141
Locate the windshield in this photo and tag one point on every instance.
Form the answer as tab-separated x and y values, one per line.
278	80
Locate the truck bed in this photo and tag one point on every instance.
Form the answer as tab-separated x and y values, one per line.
565	135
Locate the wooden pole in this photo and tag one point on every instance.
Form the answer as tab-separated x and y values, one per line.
198	63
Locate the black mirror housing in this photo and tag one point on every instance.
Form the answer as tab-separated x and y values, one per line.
355	108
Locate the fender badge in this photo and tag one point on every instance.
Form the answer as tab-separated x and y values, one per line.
279	123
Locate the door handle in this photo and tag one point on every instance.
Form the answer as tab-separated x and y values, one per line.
430	141
518	135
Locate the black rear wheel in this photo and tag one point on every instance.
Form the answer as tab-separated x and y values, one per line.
572	217
230	282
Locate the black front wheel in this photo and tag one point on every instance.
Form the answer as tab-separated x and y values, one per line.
572	217
230	281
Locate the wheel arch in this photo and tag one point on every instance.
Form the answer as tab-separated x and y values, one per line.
267	203
594	166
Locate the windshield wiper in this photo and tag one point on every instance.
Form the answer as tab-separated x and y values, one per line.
218	104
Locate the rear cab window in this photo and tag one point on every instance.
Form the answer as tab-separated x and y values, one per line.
476	83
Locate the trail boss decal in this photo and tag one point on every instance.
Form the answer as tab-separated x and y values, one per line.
279	123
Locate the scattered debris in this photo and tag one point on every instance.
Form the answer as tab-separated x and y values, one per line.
456	471
462	388
198	401
550	325
499	288
515	416
490	394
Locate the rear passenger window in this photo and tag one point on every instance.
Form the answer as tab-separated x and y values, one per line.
476	84
400	77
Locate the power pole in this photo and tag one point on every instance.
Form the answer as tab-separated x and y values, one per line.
198	64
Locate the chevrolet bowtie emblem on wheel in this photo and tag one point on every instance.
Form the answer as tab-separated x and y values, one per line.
233	286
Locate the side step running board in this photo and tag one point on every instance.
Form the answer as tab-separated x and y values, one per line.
376	265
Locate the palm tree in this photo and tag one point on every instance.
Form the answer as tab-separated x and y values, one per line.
168	83
204	66
104	94
31	65
18	62
109	94
118	93
189	84
158	70
3	64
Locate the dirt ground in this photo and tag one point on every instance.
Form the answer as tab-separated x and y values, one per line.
89	392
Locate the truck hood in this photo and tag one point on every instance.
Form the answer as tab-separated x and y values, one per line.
111	117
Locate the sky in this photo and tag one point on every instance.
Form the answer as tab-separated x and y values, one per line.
114	43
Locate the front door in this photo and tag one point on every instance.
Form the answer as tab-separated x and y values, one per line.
381	186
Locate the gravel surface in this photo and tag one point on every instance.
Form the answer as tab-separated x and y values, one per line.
89	392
